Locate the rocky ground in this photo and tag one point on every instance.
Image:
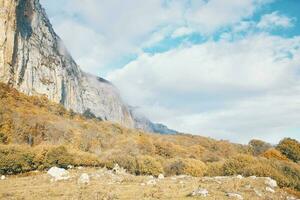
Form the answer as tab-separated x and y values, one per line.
99	183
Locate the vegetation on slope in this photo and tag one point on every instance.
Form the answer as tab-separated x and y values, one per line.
38	134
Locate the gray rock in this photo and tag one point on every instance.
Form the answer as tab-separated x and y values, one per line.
161	176
151	182
200	192
58	174
239	177
270	182
269	189
234	195
84	179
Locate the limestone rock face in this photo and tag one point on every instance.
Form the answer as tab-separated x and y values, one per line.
34	60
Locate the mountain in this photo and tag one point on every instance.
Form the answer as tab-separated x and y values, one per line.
34	60
143	123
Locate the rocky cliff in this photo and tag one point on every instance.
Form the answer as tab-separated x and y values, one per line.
34	60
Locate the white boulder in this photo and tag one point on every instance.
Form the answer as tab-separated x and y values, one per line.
270	182
239	177
161	176
268	189
58	174
200	192
151	182
235	195
2	177
84	179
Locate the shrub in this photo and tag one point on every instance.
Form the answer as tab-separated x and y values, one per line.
16	159
147	165
274	154
236	164
287	174
58	156
126	161
214	169
290	148
185	166
258	147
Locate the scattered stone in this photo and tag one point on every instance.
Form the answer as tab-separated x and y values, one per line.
2	177
239	177
79	167
173	178
84	179
58	174
161	176
118	170
235	195
150	177
290	198
270	182
151	182
200	192
253	177
268	189
258	193
70	166
143	184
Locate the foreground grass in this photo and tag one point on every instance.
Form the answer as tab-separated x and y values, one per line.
106	185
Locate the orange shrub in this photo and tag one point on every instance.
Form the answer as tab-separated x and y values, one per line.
274	154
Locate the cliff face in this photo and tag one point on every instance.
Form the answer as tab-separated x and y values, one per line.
34	60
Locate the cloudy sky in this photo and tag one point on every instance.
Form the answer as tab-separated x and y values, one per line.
228	69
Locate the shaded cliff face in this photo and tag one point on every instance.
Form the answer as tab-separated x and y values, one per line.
34	60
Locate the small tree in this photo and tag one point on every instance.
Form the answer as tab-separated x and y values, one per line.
258	147
290	148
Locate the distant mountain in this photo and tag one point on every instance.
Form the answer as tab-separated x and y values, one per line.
143	123
34	60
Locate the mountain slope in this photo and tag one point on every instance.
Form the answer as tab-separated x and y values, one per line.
34	60
37	134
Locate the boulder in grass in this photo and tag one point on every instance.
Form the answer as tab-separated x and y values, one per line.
200	192
2	177
161	176
234	195
58	174
270	182
84	179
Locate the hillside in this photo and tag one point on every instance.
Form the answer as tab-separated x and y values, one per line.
37	134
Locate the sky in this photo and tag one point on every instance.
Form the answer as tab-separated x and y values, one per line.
226	69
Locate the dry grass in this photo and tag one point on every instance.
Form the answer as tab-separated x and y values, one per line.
105	185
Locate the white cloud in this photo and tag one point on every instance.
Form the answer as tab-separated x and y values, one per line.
125	28
211	82
216	14
274	20
182	31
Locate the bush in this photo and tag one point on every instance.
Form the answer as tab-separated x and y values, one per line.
214	169
147	165
258	147
16	159
185	166
58	156
274	154
19	159
290	148
287	174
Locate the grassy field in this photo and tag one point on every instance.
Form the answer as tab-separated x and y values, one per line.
106	185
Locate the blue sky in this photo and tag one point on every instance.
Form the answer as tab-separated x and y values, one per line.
227	69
